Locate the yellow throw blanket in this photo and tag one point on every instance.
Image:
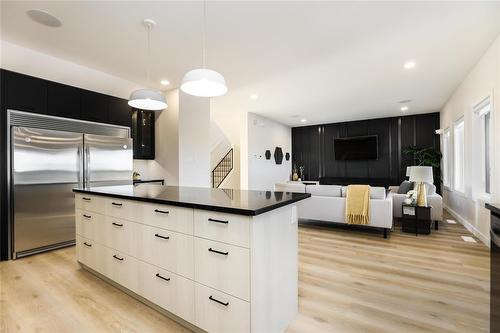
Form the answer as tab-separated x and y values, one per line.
357	204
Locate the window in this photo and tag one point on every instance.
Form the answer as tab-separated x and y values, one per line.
458	156
483	137
446	157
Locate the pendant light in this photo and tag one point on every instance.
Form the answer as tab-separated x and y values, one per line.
204	82
148	99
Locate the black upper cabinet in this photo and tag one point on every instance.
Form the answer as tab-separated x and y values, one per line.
25	93
119	112
94	106
143	134
63	100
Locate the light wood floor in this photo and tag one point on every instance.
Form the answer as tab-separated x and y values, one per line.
350	281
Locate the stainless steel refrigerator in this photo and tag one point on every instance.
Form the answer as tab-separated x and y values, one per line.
46	166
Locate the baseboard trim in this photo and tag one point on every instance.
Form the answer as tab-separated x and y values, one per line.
468	226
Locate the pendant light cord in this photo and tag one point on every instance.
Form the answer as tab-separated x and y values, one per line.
204	51
149	53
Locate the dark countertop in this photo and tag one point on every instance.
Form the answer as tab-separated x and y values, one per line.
141	181
495	208
240	202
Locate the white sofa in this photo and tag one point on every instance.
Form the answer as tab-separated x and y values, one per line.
327	203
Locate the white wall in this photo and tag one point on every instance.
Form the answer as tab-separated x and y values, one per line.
482	81
265	134
194	141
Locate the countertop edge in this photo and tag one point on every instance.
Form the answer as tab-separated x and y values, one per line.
222	209
495	208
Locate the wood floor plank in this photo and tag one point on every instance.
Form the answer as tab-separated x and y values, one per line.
350	281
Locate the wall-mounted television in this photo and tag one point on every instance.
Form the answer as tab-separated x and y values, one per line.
357	148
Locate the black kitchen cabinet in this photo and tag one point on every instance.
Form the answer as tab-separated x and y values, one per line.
25	93
94	106
119	112
63	100
143	134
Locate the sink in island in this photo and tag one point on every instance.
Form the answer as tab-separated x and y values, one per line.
215	260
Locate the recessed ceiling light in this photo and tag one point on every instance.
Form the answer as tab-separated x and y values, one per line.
44	18
165	82
254	96
303	120
404	108
409	64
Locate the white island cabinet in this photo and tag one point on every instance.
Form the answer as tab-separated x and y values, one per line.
221	272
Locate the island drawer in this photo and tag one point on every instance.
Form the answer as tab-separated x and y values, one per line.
119	234
89	203
170	250
86	222
121	268
166	217
89	253
125	209
218	312
170	291
222	266
227	228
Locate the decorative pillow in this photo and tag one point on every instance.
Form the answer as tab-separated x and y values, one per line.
405	187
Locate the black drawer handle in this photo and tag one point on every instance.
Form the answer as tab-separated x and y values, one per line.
87	244
116	257
86	199
117	224
217	301
219	252
161	277
87	216
162	237
161	211
117	204
218	221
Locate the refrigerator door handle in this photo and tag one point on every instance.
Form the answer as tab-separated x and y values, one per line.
86	166
81	180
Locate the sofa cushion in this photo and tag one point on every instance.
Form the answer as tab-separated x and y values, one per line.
324	190
430	189
287	187
405	187
377	193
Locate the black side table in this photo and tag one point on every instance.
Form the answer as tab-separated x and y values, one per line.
416	219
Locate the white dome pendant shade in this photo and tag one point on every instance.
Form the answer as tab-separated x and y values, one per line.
147	99
203	82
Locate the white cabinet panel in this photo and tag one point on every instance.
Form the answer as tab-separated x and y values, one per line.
170	291
227	228
90	203
166	217
118	234
222	266
219	312
121	268
86	222
125	209
89	253
170	250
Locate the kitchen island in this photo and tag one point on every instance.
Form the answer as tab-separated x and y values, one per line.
215	260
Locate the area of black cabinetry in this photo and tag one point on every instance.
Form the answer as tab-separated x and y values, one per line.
119	112
25	93
143	134
94	106
63	100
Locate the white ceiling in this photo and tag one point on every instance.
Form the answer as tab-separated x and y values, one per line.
323	61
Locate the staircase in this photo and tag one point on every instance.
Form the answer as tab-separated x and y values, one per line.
222	169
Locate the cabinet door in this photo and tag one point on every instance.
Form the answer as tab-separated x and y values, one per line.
143	134
94	106
63	100
25	93
119	112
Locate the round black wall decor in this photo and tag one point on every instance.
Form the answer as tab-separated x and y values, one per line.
268	154
278	155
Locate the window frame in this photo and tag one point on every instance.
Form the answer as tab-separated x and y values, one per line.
483	118
459	124
447	158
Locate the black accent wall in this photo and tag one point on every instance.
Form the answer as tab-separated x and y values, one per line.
312	147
